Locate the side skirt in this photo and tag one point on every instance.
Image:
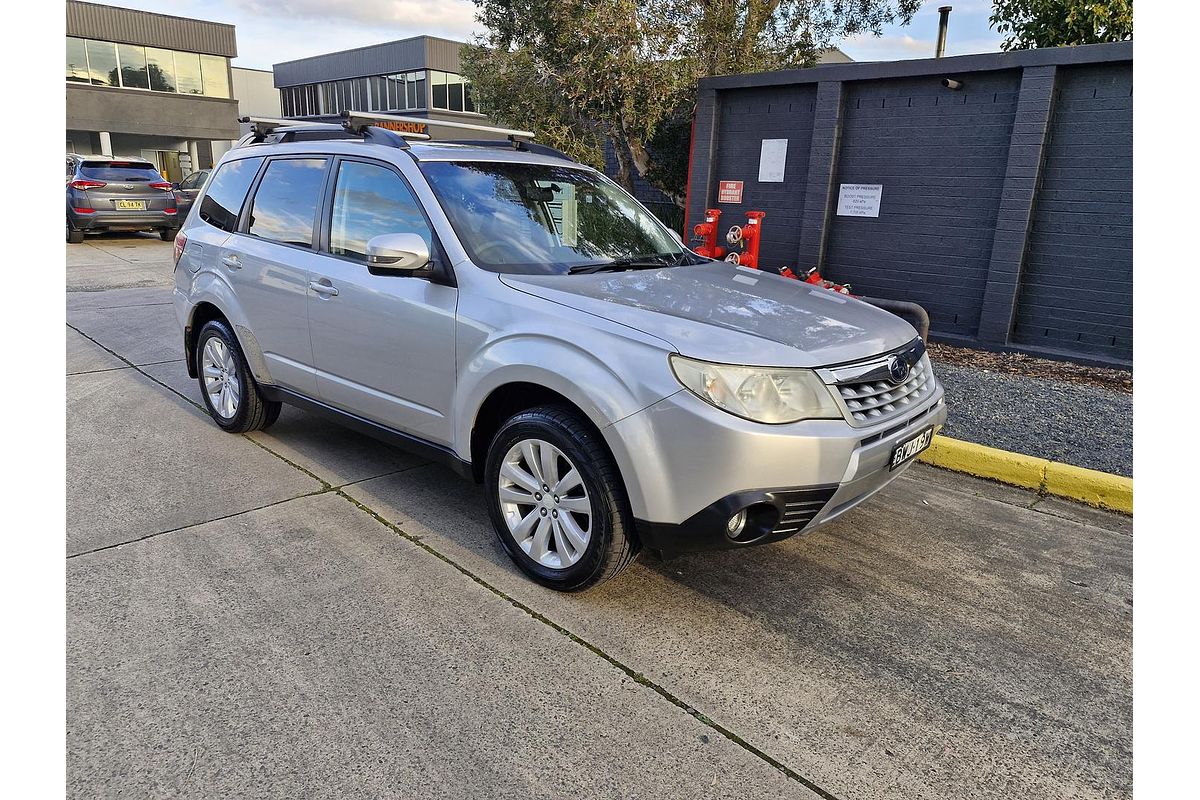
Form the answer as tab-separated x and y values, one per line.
413	444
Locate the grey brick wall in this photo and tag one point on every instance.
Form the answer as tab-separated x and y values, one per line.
1006	206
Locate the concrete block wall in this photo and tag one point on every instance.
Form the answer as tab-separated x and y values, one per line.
1006	205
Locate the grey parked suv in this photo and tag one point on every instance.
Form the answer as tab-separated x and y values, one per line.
118	194
521	318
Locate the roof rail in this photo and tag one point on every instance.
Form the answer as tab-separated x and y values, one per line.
262	127
356	120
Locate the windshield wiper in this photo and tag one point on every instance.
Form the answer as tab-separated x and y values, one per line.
628	262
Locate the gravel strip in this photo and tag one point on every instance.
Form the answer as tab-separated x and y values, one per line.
1075	424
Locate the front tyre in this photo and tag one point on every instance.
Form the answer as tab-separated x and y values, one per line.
230	392
556	500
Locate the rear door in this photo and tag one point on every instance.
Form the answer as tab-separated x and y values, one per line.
383	343
268	262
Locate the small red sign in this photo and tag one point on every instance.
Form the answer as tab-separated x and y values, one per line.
729	192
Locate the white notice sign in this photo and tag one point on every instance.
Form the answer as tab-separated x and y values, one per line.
859	199
771	159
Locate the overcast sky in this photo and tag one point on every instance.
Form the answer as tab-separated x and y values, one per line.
271	31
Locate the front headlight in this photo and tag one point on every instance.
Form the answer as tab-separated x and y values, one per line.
763	394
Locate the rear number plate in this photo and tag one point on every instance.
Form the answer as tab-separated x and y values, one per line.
131	205
910	448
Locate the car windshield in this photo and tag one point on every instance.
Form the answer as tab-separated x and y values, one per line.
546	219
122	171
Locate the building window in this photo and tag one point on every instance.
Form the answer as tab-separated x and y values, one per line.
133	66
77	62
215	71
187	72
437	84
102	63
160	64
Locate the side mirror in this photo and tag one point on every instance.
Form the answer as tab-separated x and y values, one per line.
175	185
675	235
404	251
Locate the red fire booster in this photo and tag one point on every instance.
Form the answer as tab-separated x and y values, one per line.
706	232
748	238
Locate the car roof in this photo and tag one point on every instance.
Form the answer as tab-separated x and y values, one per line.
502	151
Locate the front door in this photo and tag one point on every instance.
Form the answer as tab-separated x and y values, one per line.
383	344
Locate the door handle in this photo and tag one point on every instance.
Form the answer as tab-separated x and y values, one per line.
232	261
322	287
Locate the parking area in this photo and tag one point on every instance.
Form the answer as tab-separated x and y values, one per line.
305	612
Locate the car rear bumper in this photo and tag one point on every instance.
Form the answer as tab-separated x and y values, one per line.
689	466
123	220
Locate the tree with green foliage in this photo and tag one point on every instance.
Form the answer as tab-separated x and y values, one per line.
1027	24
586	72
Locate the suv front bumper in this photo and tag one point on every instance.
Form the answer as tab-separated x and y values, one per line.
689	466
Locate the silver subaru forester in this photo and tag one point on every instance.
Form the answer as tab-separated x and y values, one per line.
519	317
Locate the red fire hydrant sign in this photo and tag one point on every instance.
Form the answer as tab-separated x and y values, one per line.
729	192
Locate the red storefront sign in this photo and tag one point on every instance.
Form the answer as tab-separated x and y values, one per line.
729	192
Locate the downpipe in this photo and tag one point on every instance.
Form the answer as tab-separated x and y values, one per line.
917	316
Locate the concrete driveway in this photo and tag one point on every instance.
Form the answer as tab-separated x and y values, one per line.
305	612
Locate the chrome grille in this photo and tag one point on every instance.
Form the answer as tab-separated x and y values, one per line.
874	401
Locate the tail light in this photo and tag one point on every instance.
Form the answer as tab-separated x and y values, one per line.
86	184
180	243
166	187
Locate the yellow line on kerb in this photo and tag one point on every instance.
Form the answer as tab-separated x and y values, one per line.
1100	489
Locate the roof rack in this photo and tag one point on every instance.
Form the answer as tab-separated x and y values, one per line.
357	120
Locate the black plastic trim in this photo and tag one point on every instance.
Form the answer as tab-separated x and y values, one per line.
413	444
775	515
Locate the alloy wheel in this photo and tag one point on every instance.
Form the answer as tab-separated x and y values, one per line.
545	503
221	382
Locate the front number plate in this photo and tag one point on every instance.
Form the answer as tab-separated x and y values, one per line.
131	205
910	448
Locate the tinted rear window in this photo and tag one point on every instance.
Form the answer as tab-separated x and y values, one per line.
227	191
118	171
285	205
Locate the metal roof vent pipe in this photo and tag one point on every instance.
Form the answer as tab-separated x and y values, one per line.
943	27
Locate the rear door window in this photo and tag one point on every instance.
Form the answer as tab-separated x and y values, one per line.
284	208
223	201
119	172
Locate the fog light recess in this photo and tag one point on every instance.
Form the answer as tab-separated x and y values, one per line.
736	524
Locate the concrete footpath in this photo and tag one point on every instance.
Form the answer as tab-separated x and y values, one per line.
304	612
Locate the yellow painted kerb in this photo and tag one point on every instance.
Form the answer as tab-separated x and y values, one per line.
1048	477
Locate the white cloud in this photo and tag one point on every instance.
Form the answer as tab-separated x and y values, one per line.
450	18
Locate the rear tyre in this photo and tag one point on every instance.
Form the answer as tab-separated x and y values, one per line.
167	234
230	393
557	501
74	236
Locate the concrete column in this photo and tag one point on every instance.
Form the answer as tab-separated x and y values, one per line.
105	143
194	152
822	166
1025	155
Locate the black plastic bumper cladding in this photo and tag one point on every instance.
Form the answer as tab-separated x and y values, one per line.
775	514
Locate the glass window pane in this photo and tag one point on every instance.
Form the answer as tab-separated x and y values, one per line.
416	90
133	66
215	70
468	99
225	194
102	63
161	65
285	205
370	201
437	81
456	93
77	66
187	73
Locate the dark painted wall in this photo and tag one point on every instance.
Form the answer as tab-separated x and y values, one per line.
1006	207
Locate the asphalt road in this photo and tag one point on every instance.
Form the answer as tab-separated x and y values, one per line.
304	612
